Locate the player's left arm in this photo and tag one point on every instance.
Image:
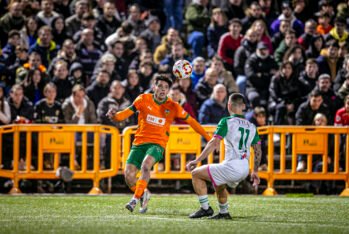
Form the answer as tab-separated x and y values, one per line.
198	128
257	155
257	159
256	145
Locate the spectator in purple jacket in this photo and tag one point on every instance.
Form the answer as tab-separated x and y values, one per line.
287	13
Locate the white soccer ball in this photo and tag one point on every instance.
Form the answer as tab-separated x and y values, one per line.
182	69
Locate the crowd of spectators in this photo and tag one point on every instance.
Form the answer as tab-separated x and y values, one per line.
69	61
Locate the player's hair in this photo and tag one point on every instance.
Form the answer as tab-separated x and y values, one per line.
237	99
163	77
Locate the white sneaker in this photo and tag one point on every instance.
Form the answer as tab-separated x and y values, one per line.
144	201
300	166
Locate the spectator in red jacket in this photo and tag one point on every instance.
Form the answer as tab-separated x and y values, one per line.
229	43
342	115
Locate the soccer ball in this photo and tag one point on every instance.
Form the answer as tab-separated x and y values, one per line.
182	69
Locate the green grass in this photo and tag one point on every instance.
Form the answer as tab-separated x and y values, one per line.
169	214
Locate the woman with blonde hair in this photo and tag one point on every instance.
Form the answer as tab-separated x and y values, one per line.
261	30
215	30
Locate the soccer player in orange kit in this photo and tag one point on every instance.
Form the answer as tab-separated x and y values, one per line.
156	112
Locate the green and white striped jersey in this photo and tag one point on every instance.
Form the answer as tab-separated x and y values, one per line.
239	134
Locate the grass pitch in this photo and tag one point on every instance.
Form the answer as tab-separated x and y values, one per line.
169	214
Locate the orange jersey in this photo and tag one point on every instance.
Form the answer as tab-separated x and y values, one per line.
154	119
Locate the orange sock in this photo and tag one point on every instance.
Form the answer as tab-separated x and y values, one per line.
140	186
133	188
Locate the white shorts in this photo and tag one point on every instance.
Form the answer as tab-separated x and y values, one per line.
228	172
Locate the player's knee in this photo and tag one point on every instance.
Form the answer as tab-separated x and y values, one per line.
129	176
195	173
220	190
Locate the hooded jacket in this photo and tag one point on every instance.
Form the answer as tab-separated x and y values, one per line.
242	54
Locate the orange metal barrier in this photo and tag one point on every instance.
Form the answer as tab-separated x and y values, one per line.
309	141
305	140
184	143
59	139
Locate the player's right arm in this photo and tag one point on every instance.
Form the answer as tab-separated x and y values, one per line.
198	128
115	115
209	148
213	144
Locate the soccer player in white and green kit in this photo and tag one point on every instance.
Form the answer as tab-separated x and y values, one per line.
239	135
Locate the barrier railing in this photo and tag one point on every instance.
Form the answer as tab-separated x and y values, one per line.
312	142
58	139
184	143
307	140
